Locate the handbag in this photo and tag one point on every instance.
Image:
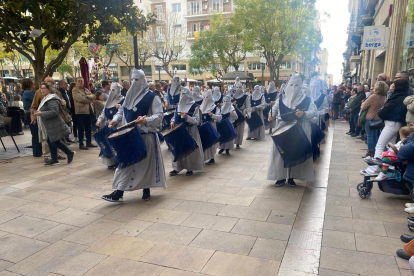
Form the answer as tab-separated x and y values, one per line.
376	125
362	117
64	113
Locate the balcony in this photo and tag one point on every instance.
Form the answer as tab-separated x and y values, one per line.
365	20
161	17
360	31
160	37
355	58
206	8
370	4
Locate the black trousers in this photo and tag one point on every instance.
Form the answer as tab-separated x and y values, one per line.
53	146
84	125
75	124
36	145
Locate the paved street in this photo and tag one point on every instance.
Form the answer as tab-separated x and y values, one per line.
227	221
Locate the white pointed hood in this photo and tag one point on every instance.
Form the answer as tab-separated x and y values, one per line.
175	87
226	105
196	94
294	94
272	88
256	95
114	95
137	90
186	100
208	102
216	93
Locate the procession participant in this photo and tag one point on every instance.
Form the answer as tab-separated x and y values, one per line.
242	102
210	114
196	94
217	96
145	108
257	104
188	112
173	97
293	105
114	102
270	98
227	111
320	101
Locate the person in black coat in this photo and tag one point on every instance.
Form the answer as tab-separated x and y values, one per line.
406	155
356	107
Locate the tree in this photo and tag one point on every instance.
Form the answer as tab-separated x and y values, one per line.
222	45
168	41
277	27
62	23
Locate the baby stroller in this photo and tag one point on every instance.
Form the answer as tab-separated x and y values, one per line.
394	184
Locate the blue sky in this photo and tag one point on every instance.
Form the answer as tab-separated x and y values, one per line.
334	30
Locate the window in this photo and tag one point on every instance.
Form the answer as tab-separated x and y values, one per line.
179	67
124	71
176	7
286	65
216	5
147	70
254	66
159	10
195	8
241	68
195	27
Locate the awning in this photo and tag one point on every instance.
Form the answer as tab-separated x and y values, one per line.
242	76
215	81
191	80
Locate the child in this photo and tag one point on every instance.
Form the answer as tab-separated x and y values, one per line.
390	156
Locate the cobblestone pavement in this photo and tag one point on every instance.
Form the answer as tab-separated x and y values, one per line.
227	221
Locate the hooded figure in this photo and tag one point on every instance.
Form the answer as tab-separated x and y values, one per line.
258	103
241	102
294	105
270	98
188	112
115	100
210	115
145	108
227	111
174	90
198	98
217	96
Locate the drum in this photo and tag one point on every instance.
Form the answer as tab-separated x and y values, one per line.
100	138
209	136
317	137
180	142
254	122
240	117
226	131
160	137
127	146
166	121
293	144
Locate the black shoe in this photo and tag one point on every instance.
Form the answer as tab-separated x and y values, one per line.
83	147
60	157
248	138
146	195
173	173
91	145
227	152
411	226
70	156
401	253
211	162
291	182
68	140
353	135
348	133
280	183
115	196
221	151
113	167
406	238
237	146
188	173
52	163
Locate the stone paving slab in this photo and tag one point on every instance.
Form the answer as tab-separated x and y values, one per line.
226	221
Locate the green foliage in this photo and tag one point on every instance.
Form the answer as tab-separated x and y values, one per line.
62	23
279	27
65	68
221	47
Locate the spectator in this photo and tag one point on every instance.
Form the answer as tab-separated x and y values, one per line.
105	89
382	77
348	111
4	100
373	105
52	128
337	99
28	96
63	86
82	99
72	111
393	114
98	103
125	87
405	76
355	108
367	91
151	86
406	154
409	102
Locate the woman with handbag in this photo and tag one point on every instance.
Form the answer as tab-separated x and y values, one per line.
51	125
372	121
393	114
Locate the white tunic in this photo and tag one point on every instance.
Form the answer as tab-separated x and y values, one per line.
150	172
304	171
210	153
240	128
195	160
230	145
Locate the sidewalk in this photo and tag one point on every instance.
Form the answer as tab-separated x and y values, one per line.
227	221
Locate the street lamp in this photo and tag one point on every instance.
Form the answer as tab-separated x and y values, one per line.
263	63
158	67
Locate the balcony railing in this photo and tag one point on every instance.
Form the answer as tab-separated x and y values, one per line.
206	7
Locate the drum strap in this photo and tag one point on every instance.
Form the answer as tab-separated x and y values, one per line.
319	101
173	100
240	101
287	114
207	118
179	120
141	109
157	161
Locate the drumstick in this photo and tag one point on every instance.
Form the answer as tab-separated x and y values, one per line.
130	123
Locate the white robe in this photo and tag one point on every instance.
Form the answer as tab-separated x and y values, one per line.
259	133
150	172
195	160
210	153
230	144
240	128
276	170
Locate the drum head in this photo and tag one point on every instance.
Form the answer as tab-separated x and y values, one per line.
121	132
283	128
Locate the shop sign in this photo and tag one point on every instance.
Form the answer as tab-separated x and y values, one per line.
374	38
409	36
